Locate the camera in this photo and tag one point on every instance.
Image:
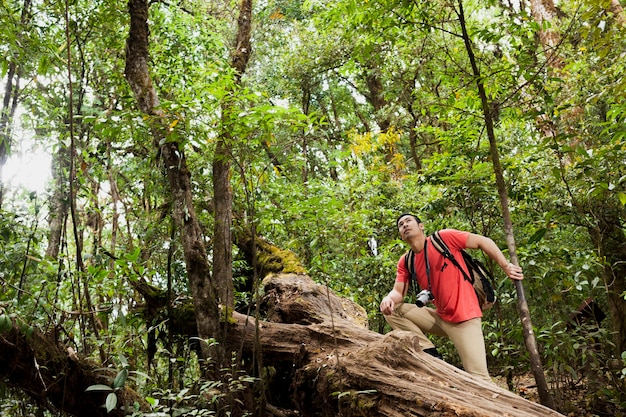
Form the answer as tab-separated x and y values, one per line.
423	298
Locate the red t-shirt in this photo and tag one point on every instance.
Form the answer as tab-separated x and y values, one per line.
455	298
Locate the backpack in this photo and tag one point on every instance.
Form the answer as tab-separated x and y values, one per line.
479	276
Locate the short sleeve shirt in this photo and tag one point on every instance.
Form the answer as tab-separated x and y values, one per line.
455	298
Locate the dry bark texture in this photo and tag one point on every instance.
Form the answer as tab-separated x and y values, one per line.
339	367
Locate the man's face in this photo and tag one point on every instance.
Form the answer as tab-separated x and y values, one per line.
408	226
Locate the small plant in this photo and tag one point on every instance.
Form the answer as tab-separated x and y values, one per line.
118	382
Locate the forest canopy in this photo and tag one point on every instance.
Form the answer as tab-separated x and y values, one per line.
200	148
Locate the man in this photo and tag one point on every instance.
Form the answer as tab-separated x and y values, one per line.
457	314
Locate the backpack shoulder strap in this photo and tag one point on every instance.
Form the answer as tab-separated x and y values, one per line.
409	264
441	246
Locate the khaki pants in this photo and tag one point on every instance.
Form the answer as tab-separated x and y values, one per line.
467	336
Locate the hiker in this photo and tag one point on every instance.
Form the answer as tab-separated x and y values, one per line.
457	314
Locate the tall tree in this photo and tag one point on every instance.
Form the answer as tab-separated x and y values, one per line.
198	271
223	198
527	326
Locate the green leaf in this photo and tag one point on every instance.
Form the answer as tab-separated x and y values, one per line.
99	387
622	197
537	236
5	323
123	360
111	402
120	379
27	330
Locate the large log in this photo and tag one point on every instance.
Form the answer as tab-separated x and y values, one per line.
326	360
56	378
340	367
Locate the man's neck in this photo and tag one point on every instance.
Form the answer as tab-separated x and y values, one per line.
417	243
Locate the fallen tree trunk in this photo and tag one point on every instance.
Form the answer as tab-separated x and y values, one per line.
327	363
56	378
330	364
342	368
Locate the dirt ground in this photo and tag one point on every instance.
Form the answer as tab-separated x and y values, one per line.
523	385
577	402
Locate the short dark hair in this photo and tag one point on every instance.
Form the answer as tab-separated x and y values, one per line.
407	214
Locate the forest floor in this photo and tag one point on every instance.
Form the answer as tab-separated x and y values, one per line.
577	402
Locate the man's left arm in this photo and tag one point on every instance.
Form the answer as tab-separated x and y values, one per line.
492	250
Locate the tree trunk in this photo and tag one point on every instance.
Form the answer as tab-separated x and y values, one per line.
413	138
223	195
223	205
376	95
197	266
618	12
59	201
54	376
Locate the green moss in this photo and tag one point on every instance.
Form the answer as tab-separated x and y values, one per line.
365	402
226	315
276	260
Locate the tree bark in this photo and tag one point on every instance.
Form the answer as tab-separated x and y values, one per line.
59	201
545	11
376	96
223	200
618	12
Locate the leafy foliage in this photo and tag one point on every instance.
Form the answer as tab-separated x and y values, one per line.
350	113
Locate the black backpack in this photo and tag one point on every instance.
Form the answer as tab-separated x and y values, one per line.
479	276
